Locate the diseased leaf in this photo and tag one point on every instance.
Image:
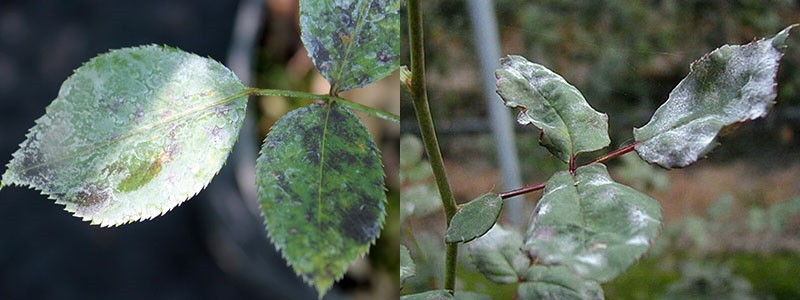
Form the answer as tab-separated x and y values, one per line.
729	85
132	133
352	42
474	219
591	224
557	283
407	267
320	183
569	125
498	256
429	295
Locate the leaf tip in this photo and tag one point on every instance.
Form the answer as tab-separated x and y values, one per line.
779	41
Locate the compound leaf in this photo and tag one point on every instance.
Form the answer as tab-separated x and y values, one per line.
352	42
320	183
591	224
407	267
474	219
498	256
568	124
731	84
132	133
557	283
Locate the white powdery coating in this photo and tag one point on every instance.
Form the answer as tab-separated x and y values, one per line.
132	134
639	240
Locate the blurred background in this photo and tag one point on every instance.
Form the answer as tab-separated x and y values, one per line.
732	221
213	246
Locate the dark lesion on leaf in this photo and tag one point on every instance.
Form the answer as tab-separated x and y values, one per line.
360	220
90	199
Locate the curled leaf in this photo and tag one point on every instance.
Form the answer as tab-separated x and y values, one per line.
731	84
569	125
133	133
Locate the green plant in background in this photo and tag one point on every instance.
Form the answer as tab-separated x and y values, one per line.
136	131
586	229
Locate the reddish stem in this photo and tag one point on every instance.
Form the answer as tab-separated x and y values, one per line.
523	190
535	187
615	153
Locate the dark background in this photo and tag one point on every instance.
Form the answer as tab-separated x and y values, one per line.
45	253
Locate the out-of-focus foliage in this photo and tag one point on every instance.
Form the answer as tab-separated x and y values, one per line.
624	56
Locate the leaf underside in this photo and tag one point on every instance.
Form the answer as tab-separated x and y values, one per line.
498	257
592	225
133	133
568	124
731	84
352	42
320	184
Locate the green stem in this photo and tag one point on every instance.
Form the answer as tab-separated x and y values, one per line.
419	95
327	98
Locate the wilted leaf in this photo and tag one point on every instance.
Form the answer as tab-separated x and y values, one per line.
407	267
352	42
591	224
132	134
474	219
557	283
320	183
729	85
498	256
569	125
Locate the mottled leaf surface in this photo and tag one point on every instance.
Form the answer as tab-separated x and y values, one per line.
557	283
729	85
591	224
320	183
132	133
474	219
568	124
407	267
498	257
352	42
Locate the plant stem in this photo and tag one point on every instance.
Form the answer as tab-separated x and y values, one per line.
419	95
615	153
538	186
328	99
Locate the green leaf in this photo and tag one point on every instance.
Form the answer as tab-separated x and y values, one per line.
407	267
569	125
732	84
474	219
320	183
591	224
132	133
352	42
557	283
498	256
429	295
445	295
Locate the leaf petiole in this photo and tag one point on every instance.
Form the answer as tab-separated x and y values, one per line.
328	99
538	186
